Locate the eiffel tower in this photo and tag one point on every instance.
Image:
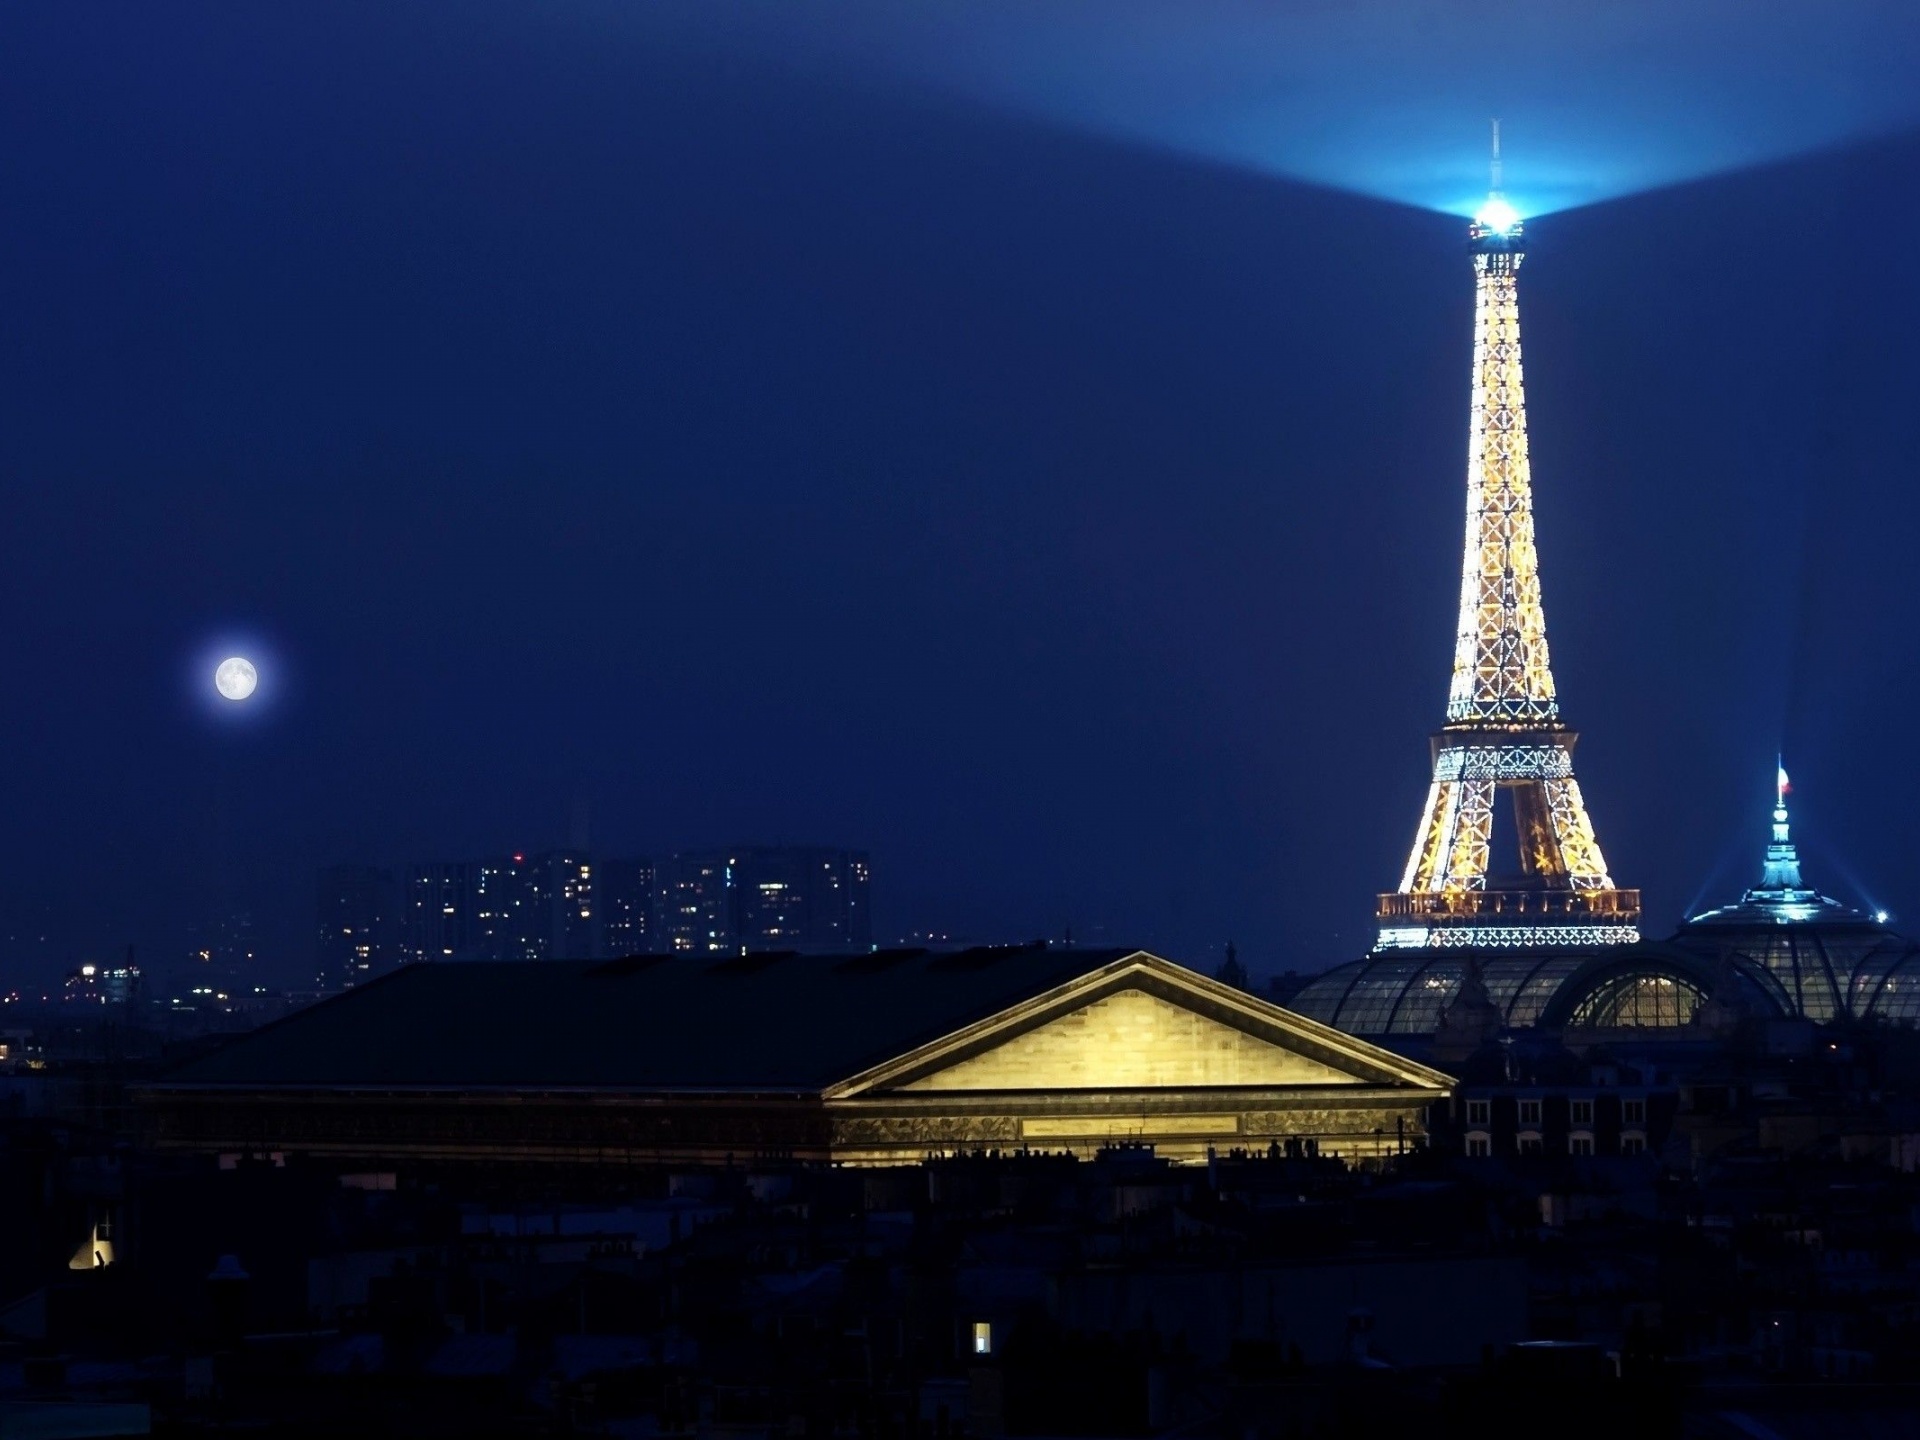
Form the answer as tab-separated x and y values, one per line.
1504	740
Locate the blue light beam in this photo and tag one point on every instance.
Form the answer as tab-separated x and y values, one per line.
1388	98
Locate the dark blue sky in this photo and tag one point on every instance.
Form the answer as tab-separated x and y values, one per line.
768	451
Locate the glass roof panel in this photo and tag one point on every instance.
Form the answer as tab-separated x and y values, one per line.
1426	995
1369	1005
1890	991
1319	999
1898	997
1531	990
1870	972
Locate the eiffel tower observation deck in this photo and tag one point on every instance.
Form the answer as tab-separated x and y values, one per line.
1504	749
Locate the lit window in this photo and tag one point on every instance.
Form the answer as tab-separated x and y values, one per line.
1529	1112
1633	1112
1478	1111
982	1338
1582	1112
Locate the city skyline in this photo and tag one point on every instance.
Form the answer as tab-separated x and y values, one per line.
572	904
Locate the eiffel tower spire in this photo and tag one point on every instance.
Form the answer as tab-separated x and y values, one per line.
1504	739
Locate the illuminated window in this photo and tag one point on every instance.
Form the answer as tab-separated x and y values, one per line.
1581	1112
982	1338
1529	1112
1477	1111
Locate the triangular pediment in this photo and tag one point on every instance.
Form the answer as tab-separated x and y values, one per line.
1131	1040
1141	1024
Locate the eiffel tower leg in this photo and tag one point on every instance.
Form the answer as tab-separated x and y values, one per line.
1431	841
1450	852
1472	835
1586	867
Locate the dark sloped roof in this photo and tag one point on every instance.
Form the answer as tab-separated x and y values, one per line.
760	1022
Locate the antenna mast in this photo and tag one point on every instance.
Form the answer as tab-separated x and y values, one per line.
1496	157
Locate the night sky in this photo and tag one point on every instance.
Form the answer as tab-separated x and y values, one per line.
572	411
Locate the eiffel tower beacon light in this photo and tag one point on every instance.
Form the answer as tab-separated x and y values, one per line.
1504	742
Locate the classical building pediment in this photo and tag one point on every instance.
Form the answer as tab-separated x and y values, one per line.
1132	1040
1140	1024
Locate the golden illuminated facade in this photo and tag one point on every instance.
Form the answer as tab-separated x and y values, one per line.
1504	741
1140	1051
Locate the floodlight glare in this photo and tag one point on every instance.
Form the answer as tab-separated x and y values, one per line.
1498	216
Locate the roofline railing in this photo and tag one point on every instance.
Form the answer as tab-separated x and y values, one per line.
1622	905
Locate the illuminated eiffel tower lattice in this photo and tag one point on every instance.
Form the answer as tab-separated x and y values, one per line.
1504	741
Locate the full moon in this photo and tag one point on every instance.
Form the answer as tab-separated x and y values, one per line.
235	678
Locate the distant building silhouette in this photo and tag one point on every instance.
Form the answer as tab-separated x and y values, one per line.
724	902
566	905
514	907
222	955
115	984
356	923
436	911
533	907
625	896
566	888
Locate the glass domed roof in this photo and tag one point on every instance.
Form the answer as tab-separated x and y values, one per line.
1645	986
1403	992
